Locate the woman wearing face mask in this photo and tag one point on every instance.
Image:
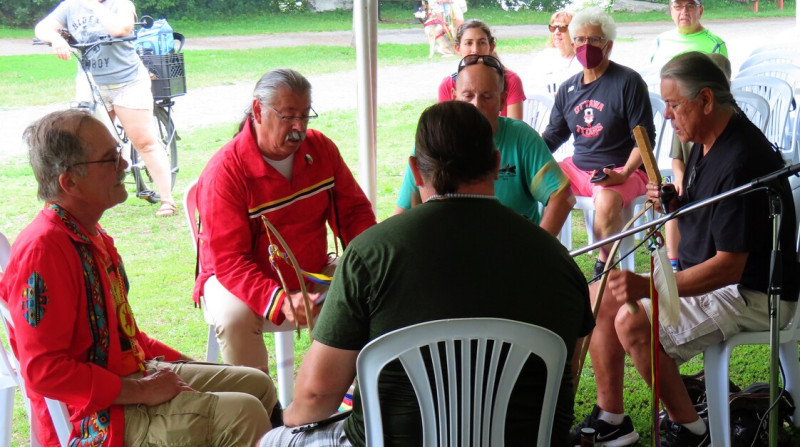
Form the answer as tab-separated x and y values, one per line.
599	107
557	61
475	37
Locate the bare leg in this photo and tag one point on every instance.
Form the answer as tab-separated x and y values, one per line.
139	126
608	356
607	217
634	333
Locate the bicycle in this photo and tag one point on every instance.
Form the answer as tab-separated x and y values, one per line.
168	80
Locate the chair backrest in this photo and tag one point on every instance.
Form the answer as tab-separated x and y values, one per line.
58	410
779	95
536	111
777	45
664	133
5	252
754	106
472	388
777	56
190	210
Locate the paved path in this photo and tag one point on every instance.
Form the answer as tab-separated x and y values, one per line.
211	105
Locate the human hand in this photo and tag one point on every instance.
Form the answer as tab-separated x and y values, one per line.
298	316
161	387
613	177
61	48
628	287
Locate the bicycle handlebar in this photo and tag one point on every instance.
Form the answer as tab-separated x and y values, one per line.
145	22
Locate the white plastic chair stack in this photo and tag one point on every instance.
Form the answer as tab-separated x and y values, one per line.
780	96
716	362
284	341
771	57
754	106
469	412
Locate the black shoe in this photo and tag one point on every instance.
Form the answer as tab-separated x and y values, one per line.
599	268
679	436
606	434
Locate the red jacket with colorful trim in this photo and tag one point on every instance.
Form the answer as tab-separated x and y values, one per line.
237	187
65	329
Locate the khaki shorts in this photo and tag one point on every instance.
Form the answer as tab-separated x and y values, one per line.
710	318
131	95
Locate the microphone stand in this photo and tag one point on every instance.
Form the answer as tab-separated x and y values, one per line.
775	287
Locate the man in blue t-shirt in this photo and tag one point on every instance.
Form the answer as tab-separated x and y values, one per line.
529	177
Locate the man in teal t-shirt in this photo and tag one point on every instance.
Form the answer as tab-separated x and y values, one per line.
689	34
529	177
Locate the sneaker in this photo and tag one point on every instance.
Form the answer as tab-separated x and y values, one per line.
599	268
679	436
606	434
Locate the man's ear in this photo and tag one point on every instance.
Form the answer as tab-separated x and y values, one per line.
707	99
257	109
412	163
503	98
453	94
66	182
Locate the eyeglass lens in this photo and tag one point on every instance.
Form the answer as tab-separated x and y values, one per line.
561	28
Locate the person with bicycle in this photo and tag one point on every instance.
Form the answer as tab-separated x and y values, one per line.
276	169
123	80
74	332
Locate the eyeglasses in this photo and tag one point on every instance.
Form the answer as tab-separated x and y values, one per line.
300	119
560	28
115	159
594	40
489	61
686	6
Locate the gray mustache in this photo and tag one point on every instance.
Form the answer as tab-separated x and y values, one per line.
295	136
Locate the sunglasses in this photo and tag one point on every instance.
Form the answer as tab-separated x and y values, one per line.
561	28
489	61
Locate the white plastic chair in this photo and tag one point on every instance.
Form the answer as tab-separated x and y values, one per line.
780	96
716	362
8	366
284	341
480	418
9	372
536	111
754	106
779	56
777	45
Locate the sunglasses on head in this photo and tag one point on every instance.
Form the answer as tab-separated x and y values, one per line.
489	61
562	28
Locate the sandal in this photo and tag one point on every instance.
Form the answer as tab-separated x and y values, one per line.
166	209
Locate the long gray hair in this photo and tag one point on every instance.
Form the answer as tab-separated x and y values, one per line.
271	83
694	71
54	148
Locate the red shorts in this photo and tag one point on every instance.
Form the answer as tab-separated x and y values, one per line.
581	186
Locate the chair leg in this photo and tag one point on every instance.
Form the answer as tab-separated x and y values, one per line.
284	358
212	347
565	235
6	414
791	368
715	363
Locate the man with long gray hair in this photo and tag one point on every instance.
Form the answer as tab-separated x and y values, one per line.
723	256
278	169
74	332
